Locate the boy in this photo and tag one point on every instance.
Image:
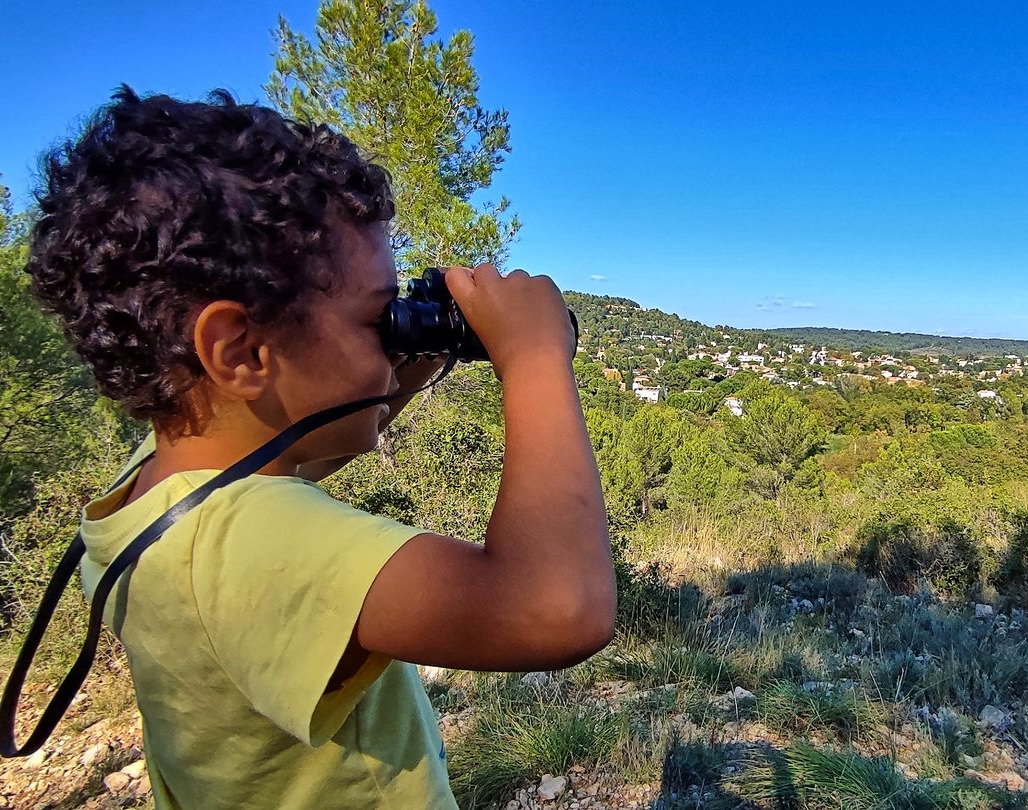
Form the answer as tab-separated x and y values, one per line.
223	273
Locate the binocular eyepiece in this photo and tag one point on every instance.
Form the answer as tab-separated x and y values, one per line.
428	322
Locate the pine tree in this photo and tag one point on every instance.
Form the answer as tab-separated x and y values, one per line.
375	72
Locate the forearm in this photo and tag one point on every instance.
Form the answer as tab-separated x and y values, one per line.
549	523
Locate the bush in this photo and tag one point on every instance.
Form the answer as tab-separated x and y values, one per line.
905	555
814	779
785	705
513	742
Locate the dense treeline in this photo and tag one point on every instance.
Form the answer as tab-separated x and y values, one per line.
895	341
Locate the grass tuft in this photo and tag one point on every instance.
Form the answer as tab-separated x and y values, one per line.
511	743
786	706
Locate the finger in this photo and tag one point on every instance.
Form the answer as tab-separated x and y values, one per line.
459	280
485	273
516	272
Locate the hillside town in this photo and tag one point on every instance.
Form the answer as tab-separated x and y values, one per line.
654	365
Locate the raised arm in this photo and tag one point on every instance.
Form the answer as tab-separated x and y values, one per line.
540	592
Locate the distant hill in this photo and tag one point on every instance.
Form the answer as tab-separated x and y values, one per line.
621	320
861	339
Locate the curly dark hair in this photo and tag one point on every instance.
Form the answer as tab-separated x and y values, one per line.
162	206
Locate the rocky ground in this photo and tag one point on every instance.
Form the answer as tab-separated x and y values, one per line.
101	766
91	762
96	760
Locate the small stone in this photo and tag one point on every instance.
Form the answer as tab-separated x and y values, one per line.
983	611
536	680
1011	780
141	786
116	782
805	606
93	754
34	762
995	718
742	695
550	787
818	686
136	769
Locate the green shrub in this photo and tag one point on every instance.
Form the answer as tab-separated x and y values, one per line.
957	736
815	779
905	554
789	707
512	742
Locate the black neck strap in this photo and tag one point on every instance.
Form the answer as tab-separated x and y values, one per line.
76	676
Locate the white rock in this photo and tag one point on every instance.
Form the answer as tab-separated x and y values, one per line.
983	611
433	674
995	718
35	761
550	787
116	782
536	680
741	695
806	606
92	754
135	769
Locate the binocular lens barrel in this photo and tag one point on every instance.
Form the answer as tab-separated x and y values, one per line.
428	322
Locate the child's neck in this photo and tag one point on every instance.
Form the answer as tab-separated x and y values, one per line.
215	450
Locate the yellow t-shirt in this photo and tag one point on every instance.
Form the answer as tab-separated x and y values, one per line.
233	623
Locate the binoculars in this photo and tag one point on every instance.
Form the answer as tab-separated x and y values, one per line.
428	322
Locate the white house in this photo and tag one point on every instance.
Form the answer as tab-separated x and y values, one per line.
734	405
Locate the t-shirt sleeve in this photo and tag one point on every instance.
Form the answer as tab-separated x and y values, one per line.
280	573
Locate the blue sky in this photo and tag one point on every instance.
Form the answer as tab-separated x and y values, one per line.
753	164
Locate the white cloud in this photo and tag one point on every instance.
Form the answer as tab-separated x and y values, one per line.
598	278
804	305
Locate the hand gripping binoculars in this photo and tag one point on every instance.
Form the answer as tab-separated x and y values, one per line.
428	322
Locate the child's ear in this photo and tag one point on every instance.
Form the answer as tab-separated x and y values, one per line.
232	349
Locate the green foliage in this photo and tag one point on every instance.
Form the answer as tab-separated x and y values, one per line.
411	103
788	707
438	468
777	433
702	471
906	555
820	779
905	466
45	396
892	341
971	452
38	538
513	741
957	736
672	658
640	460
